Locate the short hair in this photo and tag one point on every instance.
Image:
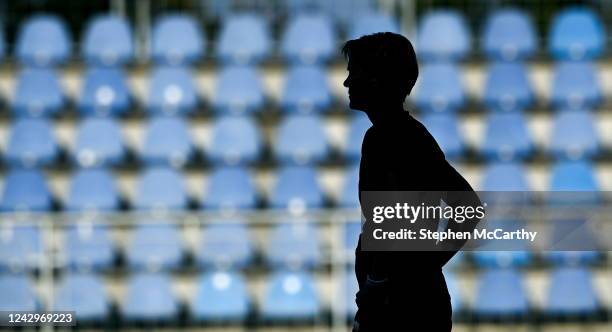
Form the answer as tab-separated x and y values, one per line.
388	56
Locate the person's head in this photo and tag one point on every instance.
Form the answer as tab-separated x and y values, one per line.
382	70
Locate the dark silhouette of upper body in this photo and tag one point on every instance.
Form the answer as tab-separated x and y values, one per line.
398	290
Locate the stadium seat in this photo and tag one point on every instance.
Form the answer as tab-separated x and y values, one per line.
505	176
571	293
170	49
290	296
42	40
508	87
230	188
352	231
373	22
576	85
574	238
21	247
18	293
454	291
349	197
294	244
350	288
85	294
443	35
167	142
108	41
300	140
358	125
576	183
31	143
25	190
243	39
297	189
576	33
501	294
309	38
239	90
507	137
37	92
504	253
221	297
160	188
149	299
98	142
440	88
171	91
345	11
3	45
155	246
104	92
88	246
509	35
226	244
236	140
306	90
93	189
574	135
445	130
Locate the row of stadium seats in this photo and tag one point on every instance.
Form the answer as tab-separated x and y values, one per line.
292	296
306	89
299	140
157	244
576	33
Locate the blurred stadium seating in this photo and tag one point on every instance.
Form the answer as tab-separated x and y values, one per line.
210	176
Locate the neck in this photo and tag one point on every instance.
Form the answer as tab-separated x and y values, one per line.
385	114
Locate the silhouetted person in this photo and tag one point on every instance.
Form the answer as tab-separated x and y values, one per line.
398	290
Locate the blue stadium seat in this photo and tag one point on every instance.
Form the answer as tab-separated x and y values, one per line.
349	197
230	188
301	139
93	189
358	126
346	11
18	293
43	40
309	38
574	240
297	189
574	135
445	130
21	247
294	244
104	92
85	294
160	188
236	140
155	246
290	296
226	244
38	92
306	90
443	35
505	176
221	297
440	88
172	90
507	137
576	85
89	246
575	182
369	23
501	294
508	87
3	45
506	253
108	41
454	291
350	288
99	142
25	190
572	293
243	39
509	35
239	90
149	299
576	33
177	40
31	143
352	231
167	142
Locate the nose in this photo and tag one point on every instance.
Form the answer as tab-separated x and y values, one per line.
346	83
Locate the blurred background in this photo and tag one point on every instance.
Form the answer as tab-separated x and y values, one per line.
193	164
